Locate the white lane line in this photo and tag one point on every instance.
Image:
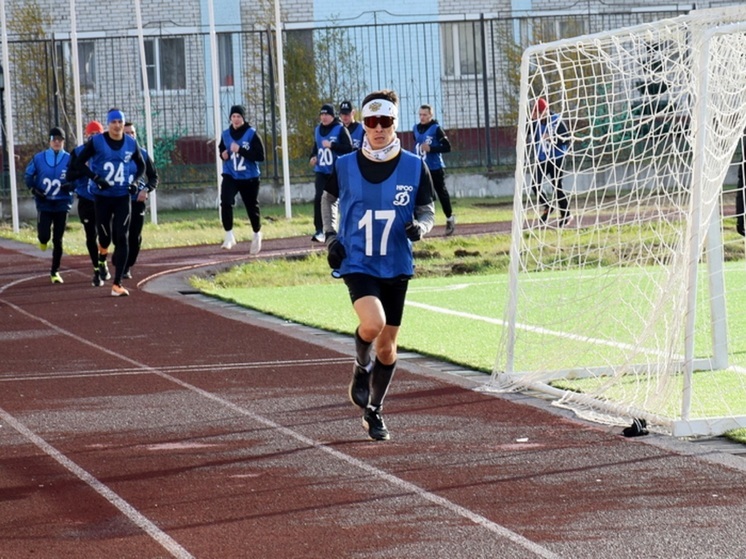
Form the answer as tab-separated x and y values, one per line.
470	515
166	541
537	329
202	368
409	487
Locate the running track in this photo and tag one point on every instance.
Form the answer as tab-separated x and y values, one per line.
169	425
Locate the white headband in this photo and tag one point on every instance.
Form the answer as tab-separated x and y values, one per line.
380	107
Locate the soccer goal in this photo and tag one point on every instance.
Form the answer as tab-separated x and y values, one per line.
631	303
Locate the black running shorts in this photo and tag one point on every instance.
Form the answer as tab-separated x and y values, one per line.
391	293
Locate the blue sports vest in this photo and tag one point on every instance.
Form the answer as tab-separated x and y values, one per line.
325	157
356	134
113	165
548	145
46	171
373	218
429	136
236	166
81	184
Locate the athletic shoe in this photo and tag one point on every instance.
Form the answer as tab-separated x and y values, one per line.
229	242
127	273
544	216
319	237
359	390
450	225
96	281
373	422
42	246
118	291
57	278
103	271
567	220
256	243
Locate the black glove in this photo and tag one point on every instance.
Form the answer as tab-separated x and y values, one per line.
67	187
132	188
101	182
39	193
413	229
335	254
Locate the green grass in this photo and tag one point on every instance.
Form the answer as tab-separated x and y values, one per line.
202	227
457	319
184	228
737	435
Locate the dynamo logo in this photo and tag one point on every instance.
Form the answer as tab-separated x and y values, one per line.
402	196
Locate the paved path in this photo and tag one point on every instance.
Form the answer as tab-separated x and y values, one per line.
167	424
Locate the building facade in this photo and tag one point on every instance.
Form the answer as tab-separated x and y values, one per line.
462	58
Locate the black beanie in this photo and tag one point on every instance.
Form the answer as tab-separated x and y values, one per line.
327	110
238	109
57	132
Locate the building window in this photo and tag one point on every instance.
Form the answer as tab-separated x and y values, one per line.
550	29
554	29
166	64
225	59
462	49
86	64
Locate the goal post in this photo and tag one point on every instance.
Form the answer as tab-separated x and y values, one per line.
627	301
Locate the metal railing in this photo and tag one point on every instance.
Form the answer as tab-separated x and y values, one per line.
467	69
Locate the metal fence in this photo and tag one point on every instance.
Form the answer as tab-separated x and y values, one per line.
467	69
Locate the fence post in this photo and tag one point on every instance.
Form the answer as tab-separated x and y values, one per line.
485	93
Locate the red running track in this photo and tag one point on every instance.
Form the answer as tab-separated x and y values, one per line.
169	425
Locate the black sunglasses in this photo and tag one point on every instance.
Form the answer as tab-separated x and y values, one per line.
373	121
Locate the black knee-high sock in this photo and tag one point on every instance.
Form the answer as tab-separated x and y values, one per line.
380	380
362	349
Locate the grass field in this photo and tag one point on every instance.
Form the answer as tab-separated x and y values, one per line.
459	319
200	227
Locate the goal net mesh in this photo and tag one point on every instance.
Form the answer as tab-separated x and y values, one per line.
627	304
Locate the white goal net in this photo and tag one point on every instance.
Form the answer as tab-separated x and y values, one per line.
627	295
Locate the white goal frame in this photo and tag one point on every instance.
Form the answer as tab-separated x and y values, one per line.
704	27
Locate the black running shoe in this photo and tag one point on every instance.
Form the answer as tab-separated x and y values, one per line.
103	271
96	281
373	422
360	385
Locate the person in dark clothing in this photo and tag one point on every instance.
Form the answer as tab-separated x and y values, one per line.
431	143
385	197
137	220
87	208
331	139
106	159
46	178
551	141
241	149
347	117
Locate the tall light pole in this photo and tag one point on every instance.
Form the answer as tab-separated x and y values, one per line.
4	139
8	123
280	58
